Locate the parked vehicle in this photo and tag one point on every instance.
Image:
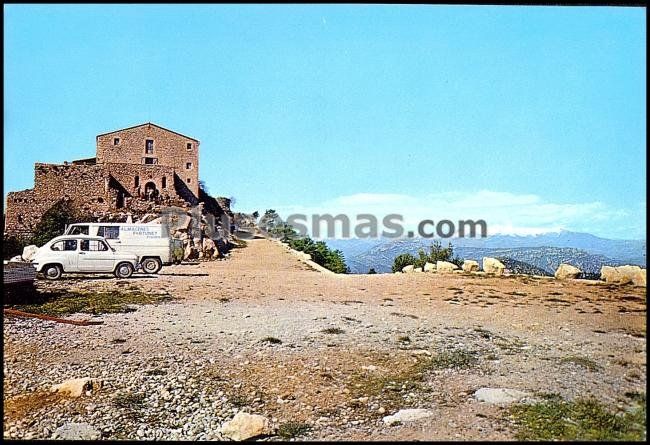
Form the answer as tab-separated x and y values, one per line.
83	254
151	242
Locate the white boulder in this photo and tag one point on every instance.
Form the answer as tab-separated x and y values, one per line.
567	272
624	275
429	267
444	266
29	252
77	387
499	396
408	269
244	426
470	266
408	415
493	266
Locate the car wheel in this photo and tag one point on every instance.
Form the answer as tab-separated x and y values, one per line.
151	265
52	271
124	270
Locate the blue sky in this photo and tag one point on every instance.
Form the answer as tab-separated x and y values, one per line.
532	118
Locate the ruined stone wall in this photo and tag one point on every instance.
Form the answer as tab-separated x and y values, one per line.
23	212
84	185
170	149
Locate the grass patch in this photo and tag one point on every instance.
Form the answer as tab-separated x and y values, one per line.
457	359
390	387
581	361
584	419
333	331
129	400
239	399
272	340
108	302
292	429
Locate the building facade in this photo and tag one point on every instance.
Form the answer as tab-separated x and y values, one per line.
135	170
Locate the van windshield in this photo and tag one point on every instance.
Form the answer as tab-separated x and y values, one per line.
78	230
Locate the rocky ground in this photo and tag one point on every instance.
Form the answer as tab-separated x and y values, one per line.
321	356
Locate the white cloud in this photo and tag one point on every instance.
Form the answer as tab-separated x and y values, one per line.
504	212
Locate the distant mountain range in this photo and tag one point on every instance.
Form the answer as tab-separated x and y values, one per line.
539	254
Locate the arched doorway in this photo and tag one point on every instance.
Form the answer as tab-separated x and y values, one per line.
150	190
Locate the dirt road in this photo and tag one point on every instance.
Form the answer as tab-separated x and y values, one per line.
264	333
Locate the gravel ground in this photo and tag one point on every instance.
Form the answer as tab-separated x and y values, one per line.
263	333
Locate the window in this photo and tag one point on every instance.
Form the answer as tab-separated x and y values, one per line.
109	232
164	182
189	145
69	244
93	246
188	166
149	161
116	141
79	230
189	180
148	146
136	182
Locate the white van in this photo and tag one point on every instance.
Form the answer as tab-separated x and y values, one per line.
150	242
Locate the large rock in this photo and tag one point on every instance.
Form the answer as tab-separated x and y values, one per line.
191	253
408	269
445	267
494	266
407	415
77	387
77	431
624	275
470	266
29	252
499	396
208	246
429	267
417	269
567	272
244	426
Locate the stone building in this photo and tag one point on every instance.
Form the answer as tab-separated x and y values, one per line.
136	171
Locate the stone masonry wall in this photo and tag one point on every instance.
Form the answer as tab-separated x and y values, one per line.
170	149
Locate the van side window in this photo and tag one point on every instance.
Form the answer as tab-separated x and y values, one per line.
109	232
79	230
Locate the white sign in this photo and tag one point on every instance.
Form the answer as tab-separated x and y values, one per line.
141	231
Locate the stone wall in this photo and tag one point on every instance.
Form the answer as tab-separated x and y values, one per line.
170	149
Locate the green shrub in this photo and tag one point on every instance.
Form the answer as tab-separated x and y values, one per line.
436	253
403	260
53	222
583	419
321	254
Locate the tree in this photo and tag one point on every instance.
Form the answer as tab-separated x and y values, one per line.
53	222
372	271
436	253
403	260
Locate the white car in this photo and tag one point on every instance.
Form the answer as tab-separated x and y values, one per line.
82	254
